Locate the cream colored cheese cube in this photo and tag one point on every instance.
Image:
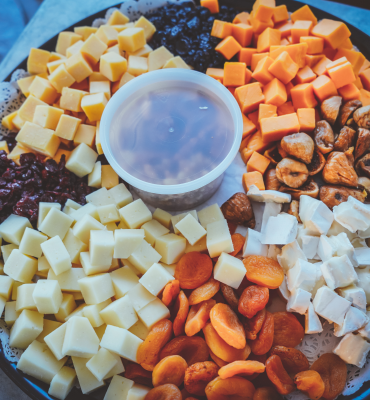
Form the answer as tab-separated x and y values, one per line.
74	246
131	39
153	230
82	160
118	388
75	48
20	267
96	289
6	286
177	218
47	116
89	269
67	127
139	330
37	60
93	49
26	329
93	106
68	280
155	279
109	177
49	327
101	363
176	62
153	312
55	341
85	31
11	314
200	246
219	238
86	379
140	297
16	285
101	197
56	223
62	383
101	87
66	308
101	248
123	280
92	313
97	77
87	209
85	134
70	206
163	217
94	177
12	229
120	313
65	40
117	18
31	242
137	65
127	241
107	34
210	214
158	58
57	255
144	257
108	213
78	67
112	65
171	247
71	99
39	362
25	299
27	110
135	214
191	229
16	153
61	78
44	208
229	270
43	90
120	341
84	226
47	296
121	195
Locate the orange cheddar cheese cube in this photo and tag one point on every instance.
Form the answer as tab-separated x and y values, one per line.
43	90
248	127
249	97
216	73
255	143
320	67
299	29
269	37
266	111
257	162
280	14
312	60
78	67
37	61
285	28
149	28
306	118
93	106
67	127
304	14
289	86
275	93
47	116
263	10
256	58
303	96
365	78
71	99
296	51
286	108
356	58
131	39
118	18
245	55
342	75
229	47
234	74
336	63
112	66
107	34
242	17
254	117
349	92
365	66
253	178
284	68
333	32
261	72
315	44
243	33
212	5
324	88
93	48
221	29
276	128
305	75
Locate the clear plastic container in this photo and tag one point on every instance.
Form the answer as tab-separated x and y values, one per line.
171	134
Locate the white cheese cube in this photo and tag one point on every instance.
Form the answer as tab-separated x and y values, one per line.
339	272
127	263
364	332
344	247
312	321
219	238
320	281
177	218
74	246
126	241
47	296
326	248
25	299
101	363
123	280
358	242
44	208
270	210
43	265
229	270
92	313
57	255
26	329
6	286
281	229
135	214
82	160
72	204
120	313
353	215
94	177
153	230
362	255
153	312
66	308
117	369
163	217
290	254
121	195
84	226
62	383
210	214
315	215
11	314
7	249
87	209
39	362
190	228
330	305
299	301
31	241
101	248
155	279
122	342
139	330
86	379
353	349
301	276
273	251
101	197
200	246
170	248
336	228
138	392
80	339
355	295
55	341
353	321
309	245
20	267
268	196
145	256
96	289
56	223
140	297
12	229
118	388
89	269
68	280
108	213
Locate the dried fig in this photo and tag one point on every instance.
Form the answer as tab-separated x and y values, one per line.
363	165
299	145
238	209
317	163
324	137
339	169
362	117
273	155
347	110
363	143
334	195
330	109
365	183
294	210
291	172
310	188
271	181
345	139
281	151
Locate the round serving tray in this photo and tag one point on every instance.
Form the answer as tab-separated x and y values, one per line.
36	389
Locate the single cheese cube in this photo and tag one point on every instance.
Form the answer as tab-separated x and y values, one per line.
78	67
158	58
126	77
353	349
155	279
42	89
153	230
12	229
94	177
190	228
66	308
101	87
163	217
83	227
55	341
123	280
131	39
92	313
219	238
56	223
11	314
47	116
137	65
229	270
107	34
177	218
112	66
200	246
61	78
79	311
210	214
171	247
68	281
138	392
62	383
149	28
25	299
120	313
101	363
27	110
117	18
74	246
26	329
107	214
144	257
6	286
135	214
339	272
100	197
25	83
119	388
74	48
109	177
140	297
299	301
86	379
7	121
82	160
71	99
121	195
37	60
127	241
47	296
85	134
153	312
93	49
57	255
16	285
44	208
67	127
96	289
93	106
176	62
52	66
20	267
101	248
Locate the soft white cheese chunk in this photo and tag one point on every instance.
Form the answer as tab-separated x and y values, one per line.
155	279
353	349
57	255
339	272
290	254
210	214
353	215
120	313
312	321
301	276
299	301
101	248
87	381
364	234
355	295
273	251
270	210
229	270
281	229
62	383
126	241
344	246
219	238
353	320
268	196
309	245
358	242
363	256
123	280
253	245
336	228
315	215
365	331
12	229
191	229
326	248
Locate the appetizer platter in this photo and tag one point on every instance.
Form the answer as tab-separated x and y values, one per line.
130	269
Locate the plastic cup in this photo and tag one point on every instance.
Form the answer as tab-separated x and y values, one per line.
171	134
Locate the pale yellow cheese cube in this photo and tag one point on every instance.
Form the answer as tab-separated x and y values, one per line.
12	229
66	308
42	89
115	48
96	77
27	109
37	60
139	330
93	105
171	248
93	49
135	214
85	134
163	217
25	299
92	313
144	256
83	227
6	286
126	77
44	208
118	18
131	39
7	121
101	248
26	329
200	246
101	363
61	78
100	87
155	279
56	223
52	66
47	296
49	326
74	49
31	243
78	67
191	229
143	52
25	83
153	230
57	255
120	313
101	197
65	40
39	362
67	127
11	314
113	66
94	177
20	267
219	238
210	214
82	159
137	65
96	289
71	99
47	116
177	218
68	281
118	388
107	34
85	31
123	280
16	285
87	209
71	205
109	177
107	214
229	270
140	297
149	28
153	312
121	195
18	122
74	246
176	62
127	241
86	379
62	383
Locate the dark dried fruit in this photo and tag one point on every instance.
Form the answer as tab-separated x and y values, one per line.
345	139
310	188
291	172
317	163
238	209
339	169
273	155
324	137
334	195
299	145
271	181
363	143
330	109
230	296
347	110
363	165
293	360
362	117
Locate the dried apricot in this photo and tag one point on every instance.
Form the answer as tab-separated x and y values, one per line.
253	325
230	296
238	242
221	349
204	292
198	317
148	351
278	376
294	361
138	374
333	371
181	310
264	271
164	392
228	326
234	388
310	382
253	299
288	331
170	292
193	270
265	337
198	375
193	349
266	393
170	369
241	367
217	360
245	283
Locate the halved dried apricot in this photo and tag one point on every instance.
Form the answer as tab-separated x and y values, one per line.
204	292
265	337
164	392
278	376
288	331
228	326
198	375
234	388
170	369
238	242
198	317
241	367
253	325
170	292
193	270
230	296
217	360
253	299
294	361
310	382
264	271
266	393
138	374
181	310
